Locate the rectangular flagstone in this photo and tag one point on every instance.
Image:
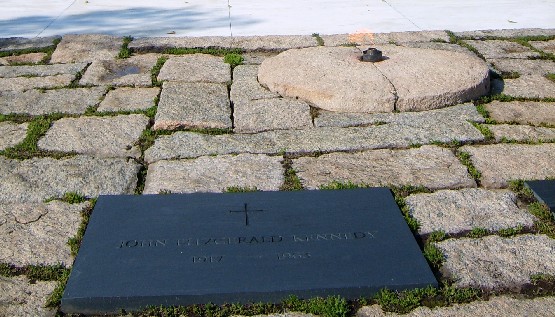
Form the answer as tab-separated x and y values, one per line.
502	49
500	163
524	66
99	136
546	46
367	37
196	68
429	166
86	48
193	105
521	133
21	43
273	42
460	211
133	71
41	70
129	99
37	233
496	263
523	112
37	179
529	86
12	134
19	297
161	44
215	174
27	83
30	58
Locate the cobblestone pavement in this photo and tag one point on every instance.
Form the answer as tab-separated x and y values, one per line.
97	114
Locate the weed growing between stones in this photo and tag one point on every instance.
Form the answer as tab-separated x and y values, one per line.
74	243
335	185
453	39
124	51
507	98
400	193
478	233
545	223
70	198
434	256
239	189
510	75
233	59
540	285
550	77
78	76
484	113
318	39
292	181
464	157
486	132
156	70
437	236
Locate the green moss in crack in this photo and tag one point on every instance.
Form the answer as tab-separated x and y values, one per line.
239	189
156	70
75	242
335	185
292	181
486	132
465	159
478	233
318	39
124	51
233	59
433	255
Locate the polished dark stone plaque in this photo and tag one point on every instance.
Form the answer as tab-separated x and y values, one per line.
544	191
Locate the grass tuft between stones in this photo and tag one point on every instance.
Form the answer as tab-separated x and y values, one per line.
74	242
464	157
318	39
545	223
292	181
156	70
124	51
486	132
239	189
233	59
550	77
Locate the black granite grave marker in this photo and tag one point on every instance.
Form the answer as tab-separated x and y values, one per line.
242	247
544	191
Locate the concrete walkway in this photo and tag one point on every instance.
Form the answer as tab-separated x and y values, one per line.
254	17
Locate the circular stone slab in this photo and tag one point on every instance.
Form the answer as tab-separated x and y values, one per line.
409	79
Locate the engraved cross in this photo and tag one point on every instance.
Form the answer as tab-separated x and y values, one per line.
246	211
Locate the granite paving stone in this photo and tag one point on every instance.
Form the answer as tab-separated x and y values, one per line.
4	62
529	86
369	38
429	166
37	179
86	48
27	83
439	46
196	68
273	42
459	211
193	105
30	58
22	43
493	49
505	33
245	86
524	66
129	99
546	46
161	44
500	163
271	114
98	136
35	102
133	71
37	233
215	174
190	145
521	133
523	112
12	134
19	297
41	70
498	263
497	306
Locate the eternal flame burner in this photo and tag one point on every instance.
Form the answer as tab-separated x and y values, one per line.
372	55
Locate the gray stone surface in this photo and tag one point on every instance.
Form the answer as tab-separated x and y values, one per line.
215	174
99	136
193	105
502	49
34	102
27	83
522	133
527	112
196	68
497	263
546	46
41	70
30	58
273	42
500	306
37	233
256	58
86	48
362	37
453	118
133	71
245	86
506	33
529	86
129	99
429	166
20	298
271	114
458	211
439	46
524	66
160	44
21	43
324	77
189	145
499	163
12	134
37	179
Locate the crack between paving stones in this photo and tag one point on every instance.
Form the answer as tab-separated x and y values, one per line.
395	95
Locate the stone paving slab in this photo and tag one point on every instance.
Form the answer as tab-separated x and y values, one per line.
35	102
196	68
492	49
37	233
41	70
215	174
98	136
500	163
129	99
20	298
369	38
524	66
133	71
330	139
12	134
30	58
27	83
496	263
37	179
429	166
506	33
439	46
271	114
193	105
459	211
546	46
273	42
523	112
521	133
499	306
245	86
86	48
21	43
529	86
161	44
